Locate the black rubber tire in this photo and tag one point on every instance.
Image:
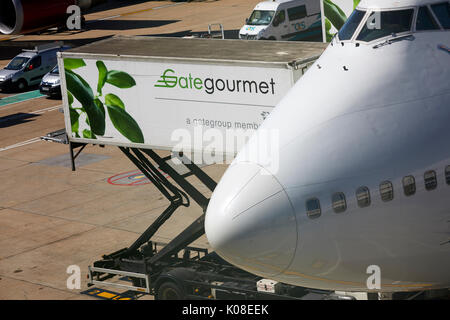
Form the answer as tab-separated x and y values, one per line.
22	85
170	291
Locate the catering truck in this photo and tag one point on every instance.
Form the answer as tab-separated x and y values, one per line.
173	93
297	20
143	94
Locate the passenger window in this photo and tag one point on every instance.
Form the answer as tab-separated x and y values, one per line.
313	208
409	185
430	180
442	12
339	203
425	20
350	26
447	175
363	197
296	13
390	22
386	191
279	18
35	63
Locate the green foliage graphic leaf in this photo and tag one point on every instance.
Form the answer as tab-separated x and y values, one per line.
81	90
125	124
71	64
335	14
74	117
113	100
70	98
102	73
99	105
87	134
120	79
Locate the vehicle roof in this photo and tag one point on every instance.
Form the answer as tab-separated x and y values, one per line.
32	53
387	4
27	54
204	49
272	5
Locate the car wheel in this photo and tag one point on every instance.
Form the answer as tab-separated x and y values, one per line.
22	85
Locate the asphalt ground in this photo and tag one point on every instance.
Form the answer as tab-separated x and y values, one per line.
52	218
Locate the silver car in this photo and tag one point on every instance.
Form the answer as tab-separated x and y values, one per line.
50	84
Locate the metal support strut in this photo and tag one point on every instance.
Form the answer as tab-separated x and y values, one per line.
175	195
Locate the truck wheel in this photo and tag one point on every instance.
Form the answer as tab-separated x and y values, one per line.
170	291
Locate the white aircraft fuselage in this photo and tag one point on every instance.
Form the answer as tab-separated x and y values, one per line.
363	174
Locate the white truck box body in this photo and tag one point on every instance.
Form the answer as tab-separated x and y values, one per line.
185	87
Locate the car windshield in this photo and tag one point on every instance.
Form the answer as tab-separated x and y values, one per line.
55	70
260	18
17	63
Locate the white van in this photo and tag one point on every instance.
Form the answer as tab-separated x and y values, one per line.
28	67
284	20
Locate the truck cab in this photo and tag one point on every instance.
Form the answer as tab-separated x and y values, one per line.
284	20
28	67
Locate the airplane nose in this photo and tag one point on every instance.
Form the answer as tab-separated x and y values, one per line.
250	221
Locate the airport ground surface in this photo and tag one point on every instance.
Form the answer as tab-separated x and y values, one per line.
52	218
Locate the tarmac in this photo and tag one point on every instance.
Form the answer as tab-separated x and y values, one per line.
52	218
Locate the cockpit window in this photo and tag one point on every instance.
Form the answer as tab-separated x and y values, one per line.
442	12
382	24
350	26
260	18
425	20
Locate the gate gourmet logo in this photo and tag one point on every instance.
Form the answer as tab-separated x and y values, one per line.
210	85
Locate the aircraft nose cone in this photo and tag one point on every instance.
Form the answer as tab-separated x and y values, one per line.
250	221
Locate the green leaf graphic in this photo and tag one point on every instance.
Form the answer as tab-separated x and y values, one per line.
87	134
99	105
70	98
102	73
334	14
120	79
74	117
113	100
125	124
71	64
81	90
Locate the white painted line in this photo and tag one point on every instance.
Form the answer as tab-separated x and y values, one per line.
46	110
134	12
21	144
